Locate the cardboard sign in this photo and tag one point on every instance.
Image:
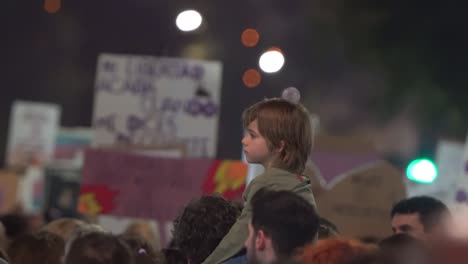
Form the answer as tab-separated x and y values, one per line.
335	158
133	185
142	100
360	204
8	191
31	138
354	188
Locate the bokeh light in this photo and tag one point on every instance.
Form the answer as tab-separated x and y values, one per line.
271	61
189	20
422	170
250	37
251	78
52	6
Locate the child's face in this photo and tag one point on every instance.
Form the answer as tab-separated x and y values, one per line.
255	146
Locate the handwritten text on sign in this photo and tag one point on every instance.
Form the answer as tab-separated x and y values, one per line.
143	100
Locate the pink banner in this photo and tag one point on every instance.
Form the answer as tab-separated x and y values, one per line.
124	184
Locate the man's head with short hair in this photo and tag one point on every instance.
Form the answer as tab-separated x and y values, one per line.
282	222
202	225
419	216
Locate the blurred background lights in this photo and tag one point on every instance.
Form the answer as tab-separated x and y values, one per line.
271	61
422	171
251	78
250	37
52	6
188	20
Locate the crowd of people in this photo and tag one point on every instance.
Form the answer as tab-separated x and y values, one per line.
278	222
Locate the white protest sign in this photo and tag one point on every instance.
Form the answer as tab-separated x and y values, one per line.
449	160
461	195
149	101
33	128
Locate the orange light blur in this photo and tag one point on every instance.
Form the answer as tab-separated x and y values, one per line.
251	78
250	37
52	6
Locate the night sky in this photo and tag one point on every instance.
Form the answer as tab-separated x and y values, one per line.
389	71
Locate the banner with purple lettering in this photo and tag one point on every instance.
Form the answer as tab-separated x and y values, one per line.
149	101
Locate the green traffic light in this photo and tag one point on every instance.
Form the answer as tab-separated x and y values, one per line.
422	171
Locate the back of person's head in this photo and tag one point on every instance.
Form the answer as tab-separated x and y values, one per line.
397	241
335	251
63	227
99	248
3	238
81	231
202	225
143	252
449	251
286	124
4	257
327	229
370	258
403	248
37	248
431	211
288	219
16	225
144	230
174	256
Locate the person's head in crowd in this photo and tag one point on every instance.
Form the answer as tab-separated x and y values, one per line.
3	237
16	225
282	224
63	227
99	248
42	247
3	256
335	251
327	229
202	224
278	134
403	249
369	239
81	231
143	252
368	258
144	230
174	256
420	217
449	251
